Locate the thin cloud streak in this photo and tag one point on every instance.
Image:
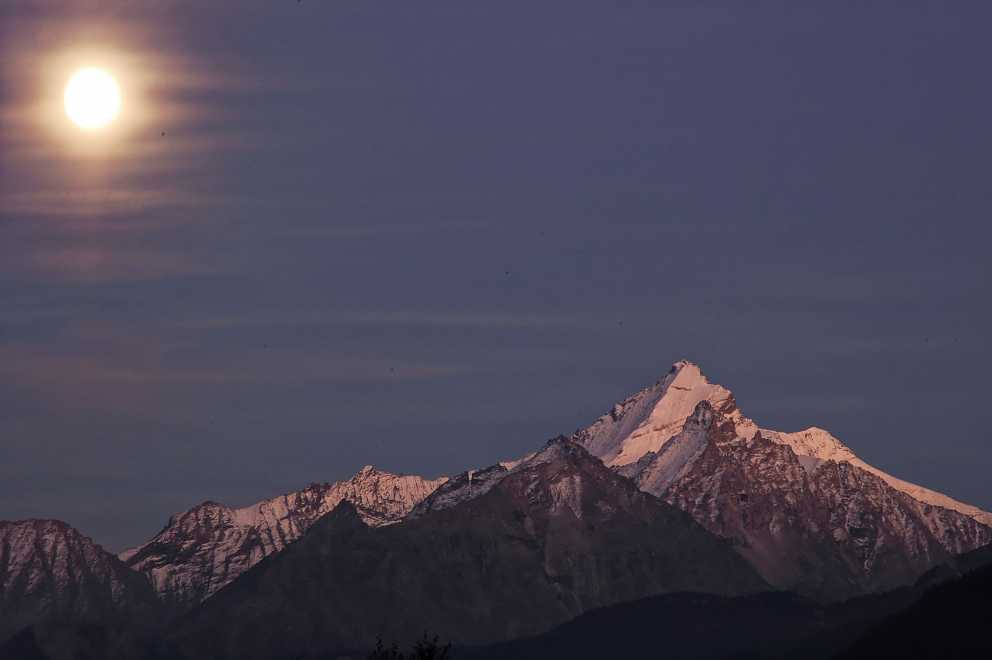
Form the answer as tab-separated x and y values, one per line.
480	319
58	204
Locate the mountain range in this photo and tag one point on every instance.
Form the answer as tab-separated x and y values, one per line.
204	549
673	490
558	535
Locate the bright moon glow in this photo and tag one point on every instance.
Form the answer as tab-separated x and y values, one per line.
92	98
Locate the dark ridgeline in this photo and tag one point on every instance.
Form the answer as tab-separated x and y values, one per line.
946	614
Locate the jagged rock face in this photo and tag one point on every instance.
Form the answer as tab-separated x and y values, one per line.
805	511
204	549
51	572
557	535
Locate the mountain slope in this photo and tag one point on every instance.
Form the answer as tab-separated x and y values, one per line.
559	534
49	571
207	547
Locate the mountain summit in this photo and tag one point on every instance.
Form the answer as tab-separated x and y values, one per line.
644	422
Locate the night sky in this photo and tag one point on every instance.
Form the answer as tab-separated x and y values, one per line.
431	235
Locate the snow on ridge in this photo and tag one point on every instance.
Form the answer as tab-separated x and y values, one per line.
373	491
813	443
819	445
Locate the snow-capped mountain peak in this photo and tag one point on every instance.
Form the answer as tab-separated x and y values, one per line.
644	422
779	495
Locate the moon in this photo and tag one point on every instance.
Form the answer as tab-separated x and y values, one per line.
92	98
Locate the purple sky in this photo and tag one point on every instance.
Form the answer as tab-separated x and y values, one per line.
430	235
